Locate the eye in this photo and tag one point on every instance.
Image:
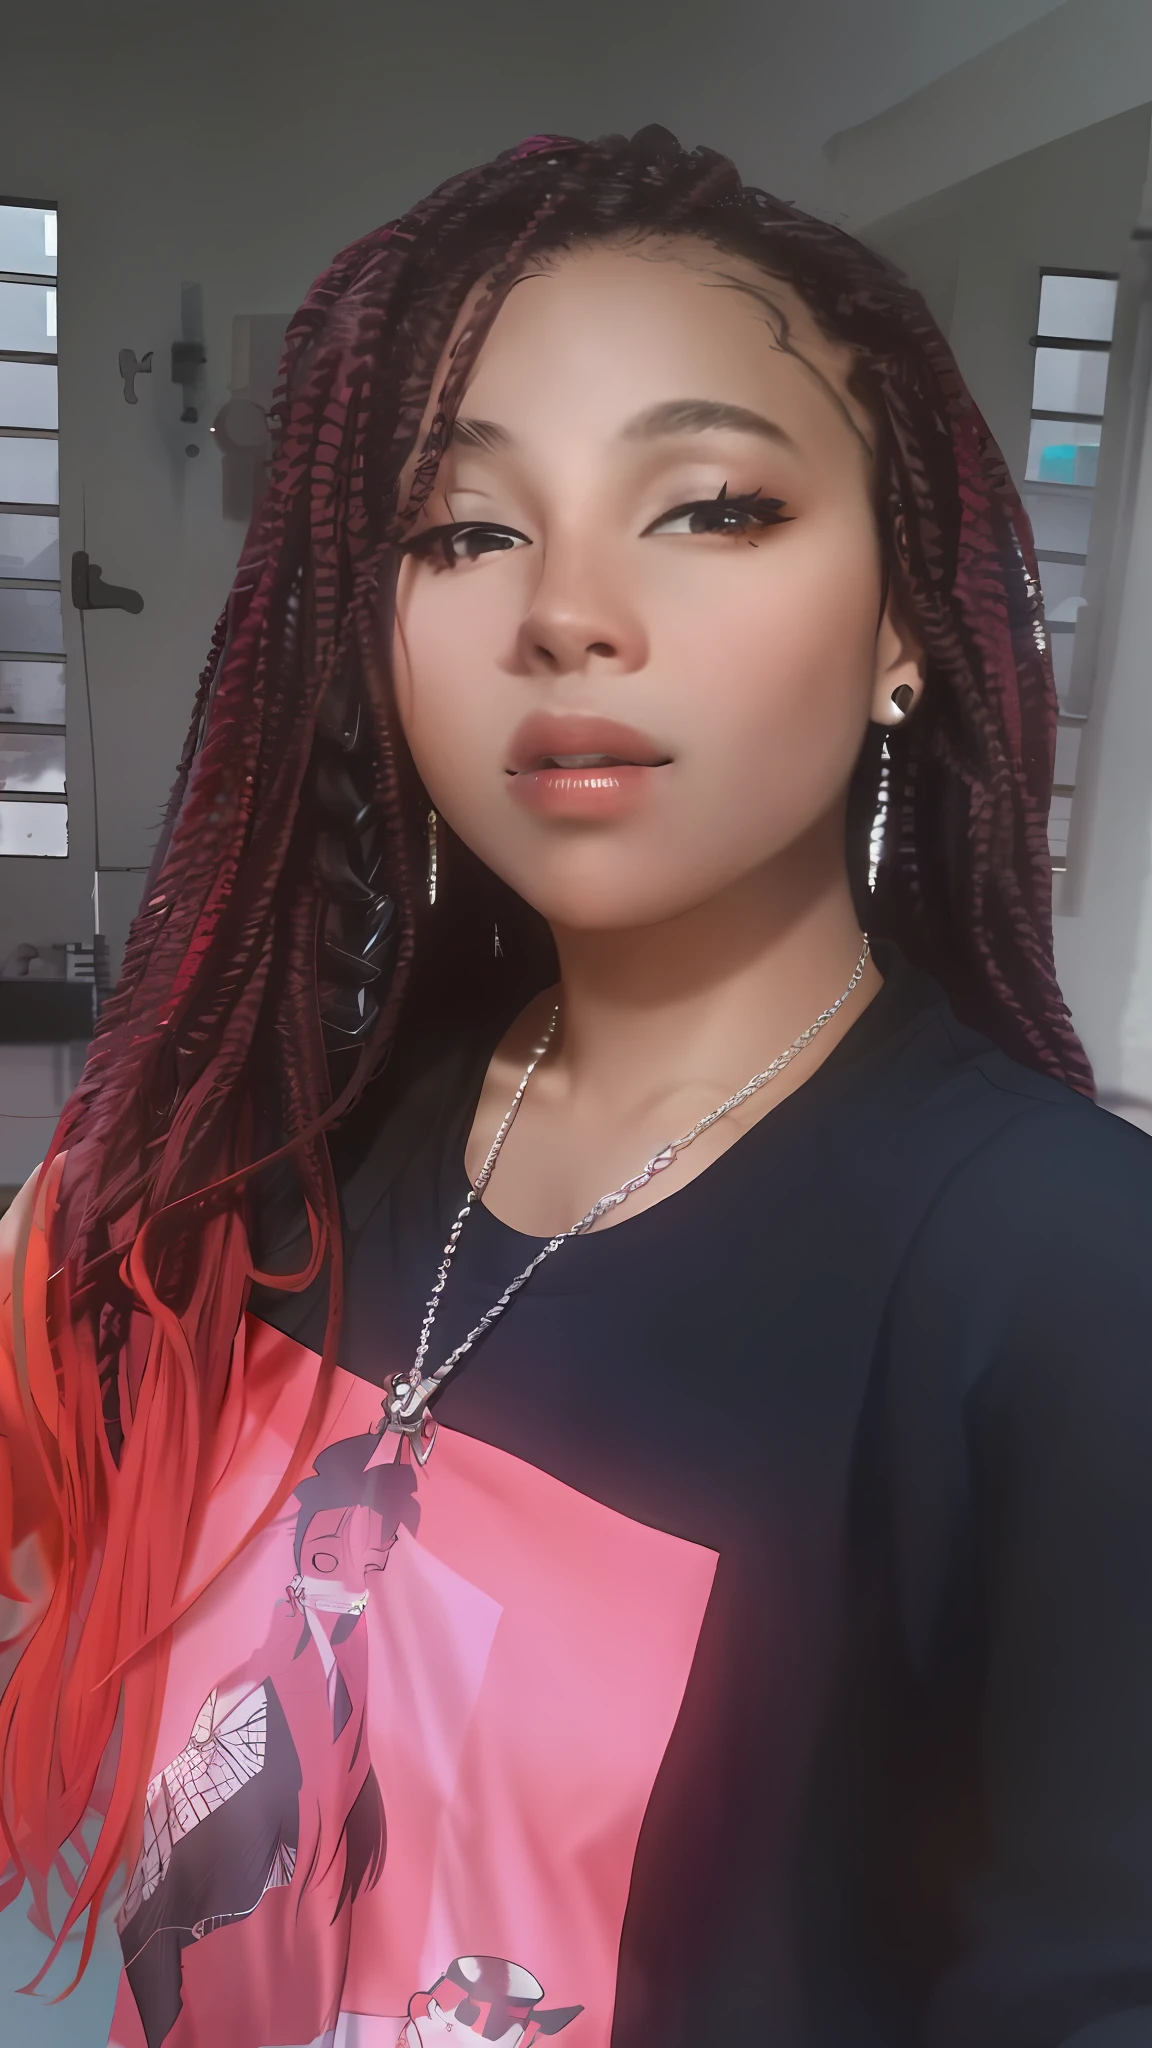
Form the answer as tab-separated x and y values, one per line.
324	1561
737	516
462	541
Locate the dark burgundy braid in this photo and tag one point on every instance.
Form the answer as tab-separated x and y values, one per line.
282	937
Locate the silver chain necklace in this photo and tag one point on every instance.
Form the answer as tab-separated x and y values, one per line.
408	1393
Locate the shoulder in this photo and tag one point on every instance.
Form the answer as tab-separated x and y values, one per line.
1044	1157
1038	1242
1035	1212
991	1159
1006	1137
1014	1356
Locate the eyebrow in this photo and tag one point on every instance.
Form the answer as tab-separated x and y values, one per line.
699	416
673	416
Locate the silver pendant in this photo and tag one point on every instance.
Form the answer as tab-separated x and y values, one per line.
406	1415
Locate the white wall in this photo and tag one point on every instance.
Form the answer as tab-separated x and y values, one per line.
1081	63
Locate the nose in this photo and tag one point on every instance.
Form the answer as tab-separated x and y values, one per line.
580	614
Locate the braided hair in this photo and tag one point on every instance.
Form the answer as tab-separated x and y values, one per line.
281	940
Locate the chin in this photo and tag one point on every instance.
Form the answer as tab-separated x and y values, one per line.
612	904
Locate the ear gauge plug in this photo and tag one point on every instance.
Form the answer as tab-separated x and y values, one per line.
902	697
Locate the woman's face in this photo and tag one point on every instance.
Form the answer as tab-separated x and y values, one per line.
640	669
343	1552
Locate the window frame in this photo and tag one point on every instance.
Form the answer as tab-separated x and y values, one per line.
1068	556
46	358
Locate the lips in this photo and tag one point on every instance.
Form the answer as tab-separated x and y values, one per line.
578	743
580	770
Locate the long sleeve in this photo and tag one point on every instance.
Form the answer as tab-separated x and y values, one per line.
1019	1418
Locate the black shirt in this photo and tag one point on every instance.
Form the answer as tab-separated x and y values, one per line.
887	1359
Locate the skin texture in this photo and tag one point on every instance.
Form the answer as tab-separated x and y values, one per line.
706	923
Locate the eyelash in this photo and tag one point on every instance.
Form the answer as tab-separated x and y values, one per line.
751	505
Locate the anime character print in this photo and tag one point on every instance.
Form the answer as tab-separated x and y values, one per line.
482	1998
275	1778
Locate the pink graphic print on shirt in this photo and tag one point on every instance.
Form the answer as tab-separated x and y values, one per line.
408	1740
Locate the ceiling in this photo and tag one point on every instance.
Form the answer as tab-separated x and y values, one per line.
767	80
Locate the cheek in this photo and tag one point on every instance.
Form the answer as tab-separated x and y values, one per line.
446	653
775	669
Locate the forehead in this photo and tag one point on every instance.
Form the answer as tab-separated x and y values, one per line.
589	336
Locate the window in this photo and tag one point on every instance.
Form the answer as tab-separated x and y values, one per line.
1072	342
33	804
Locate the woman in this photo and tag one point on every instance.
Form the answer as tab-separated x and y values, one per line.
629	740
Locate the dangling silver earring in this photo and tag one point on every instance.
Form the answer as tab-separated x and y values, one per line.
433	854
497	948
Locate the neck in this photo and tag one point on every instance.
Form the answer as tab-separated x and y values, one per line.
715	992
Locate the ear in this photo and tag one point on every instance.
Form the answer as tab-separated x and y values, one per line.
899	670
